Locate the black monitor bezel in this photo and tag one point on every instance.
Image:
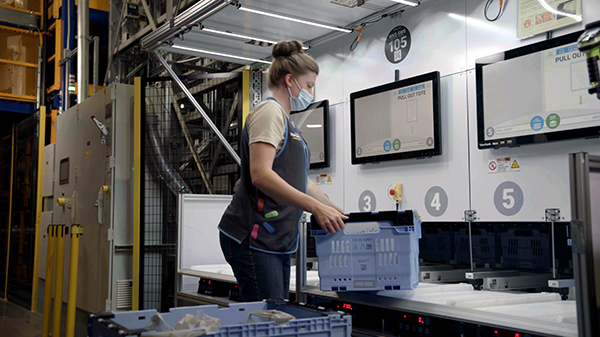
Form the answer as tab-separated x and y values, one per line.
437	131
325	105
482	144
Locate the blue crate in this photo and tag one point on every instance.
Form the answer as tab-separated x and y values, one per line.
376	251
526	249
310	321
484	246
436	245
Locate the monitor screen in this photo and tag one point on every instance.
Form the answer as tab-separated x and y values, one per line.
535	94
399	120
314	126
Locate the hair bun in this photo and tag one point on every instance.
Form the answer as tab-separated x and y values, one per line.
287	48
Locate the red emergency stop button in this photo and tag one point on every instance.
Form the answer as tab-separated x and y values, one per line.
392	192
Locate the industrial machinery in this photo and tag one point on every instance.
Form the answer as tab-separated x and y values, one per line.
90	183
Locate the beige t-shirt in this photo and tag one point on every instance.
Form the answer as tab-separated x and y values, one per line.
266	124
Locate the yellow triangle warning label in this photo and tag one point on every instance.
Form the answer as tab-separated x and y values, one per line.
515	165
328	179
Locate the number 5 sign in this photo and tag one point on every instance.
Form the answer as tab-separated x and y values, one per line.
397	44
508	198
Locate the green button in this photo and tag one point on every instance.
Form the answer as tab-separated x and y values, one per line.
271	214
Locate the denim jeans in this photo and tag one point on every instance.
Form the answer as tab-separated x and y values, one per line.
259	275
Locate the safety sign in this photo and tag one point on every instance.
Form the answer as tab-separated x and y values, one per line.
504	165
323	179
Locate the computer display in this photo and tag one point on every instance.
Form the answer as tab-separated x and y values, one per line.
535	94
314	126
399	120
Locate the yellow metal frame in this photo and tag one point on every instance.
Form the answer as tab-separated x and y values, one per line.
137	186
53	126
12	169
58	286
21	98
57	26
50	255
245	95
24	64
38	207
101	5
76	232
90	89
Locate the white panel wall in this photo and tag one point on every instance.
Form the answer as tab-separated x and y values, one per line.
447	36
417	176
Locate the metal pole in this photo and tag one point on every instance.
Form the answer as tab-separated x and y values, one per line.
470	246
553	253
198	107
49	280
96	62
301	262
58	287
76	231
581	233
67	82
39	77
83	59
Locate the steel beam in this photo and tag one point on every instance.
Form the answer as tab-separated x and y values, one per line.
18	17
199	11
83	58
198	107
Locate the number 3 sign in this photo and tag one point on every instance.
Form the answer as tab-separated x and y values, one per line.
397	44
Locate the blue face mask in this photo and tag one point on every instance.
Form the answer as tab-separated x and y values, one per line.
302	101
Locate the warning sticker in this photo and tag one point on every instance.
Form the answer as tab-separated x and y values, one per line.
504	165
515	166
323	179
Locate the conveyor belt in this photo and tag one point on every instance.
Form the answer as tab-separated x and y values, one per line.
538	313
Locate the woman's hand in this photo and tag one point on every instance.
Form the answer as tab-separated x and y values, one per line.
329	218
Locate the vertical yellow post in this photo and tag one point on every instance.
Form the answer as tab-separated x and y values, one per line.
38	206
245	95
137	186
12	170
53	127
76	231
49	281
58	286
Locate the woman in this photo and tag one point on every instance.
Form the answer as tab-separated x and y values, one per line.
259	230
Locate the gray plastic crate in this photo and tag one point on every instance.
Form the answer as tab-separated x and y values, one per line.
376	251
310	321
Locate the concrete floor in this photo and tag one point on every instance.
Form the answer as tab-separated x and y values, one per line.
15	320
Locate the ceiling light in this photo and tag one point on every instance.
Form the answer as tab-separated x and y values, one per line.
409	3
549	8
314	126
246	37
284	17
220	54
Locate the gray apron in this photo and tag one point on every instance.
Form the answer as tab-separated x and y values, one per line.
271	226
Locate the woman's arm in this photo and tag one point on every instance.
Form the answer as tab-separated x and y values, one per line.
270	183
315	192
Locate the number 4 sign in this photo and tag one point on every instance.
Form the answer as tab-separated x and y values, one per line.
436	201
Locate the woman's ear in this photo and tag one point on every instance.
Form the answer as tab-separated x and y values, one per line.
288	80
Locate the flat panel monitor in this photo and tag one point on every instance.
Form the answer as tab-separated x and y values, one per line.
535	94
314	126
399	120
